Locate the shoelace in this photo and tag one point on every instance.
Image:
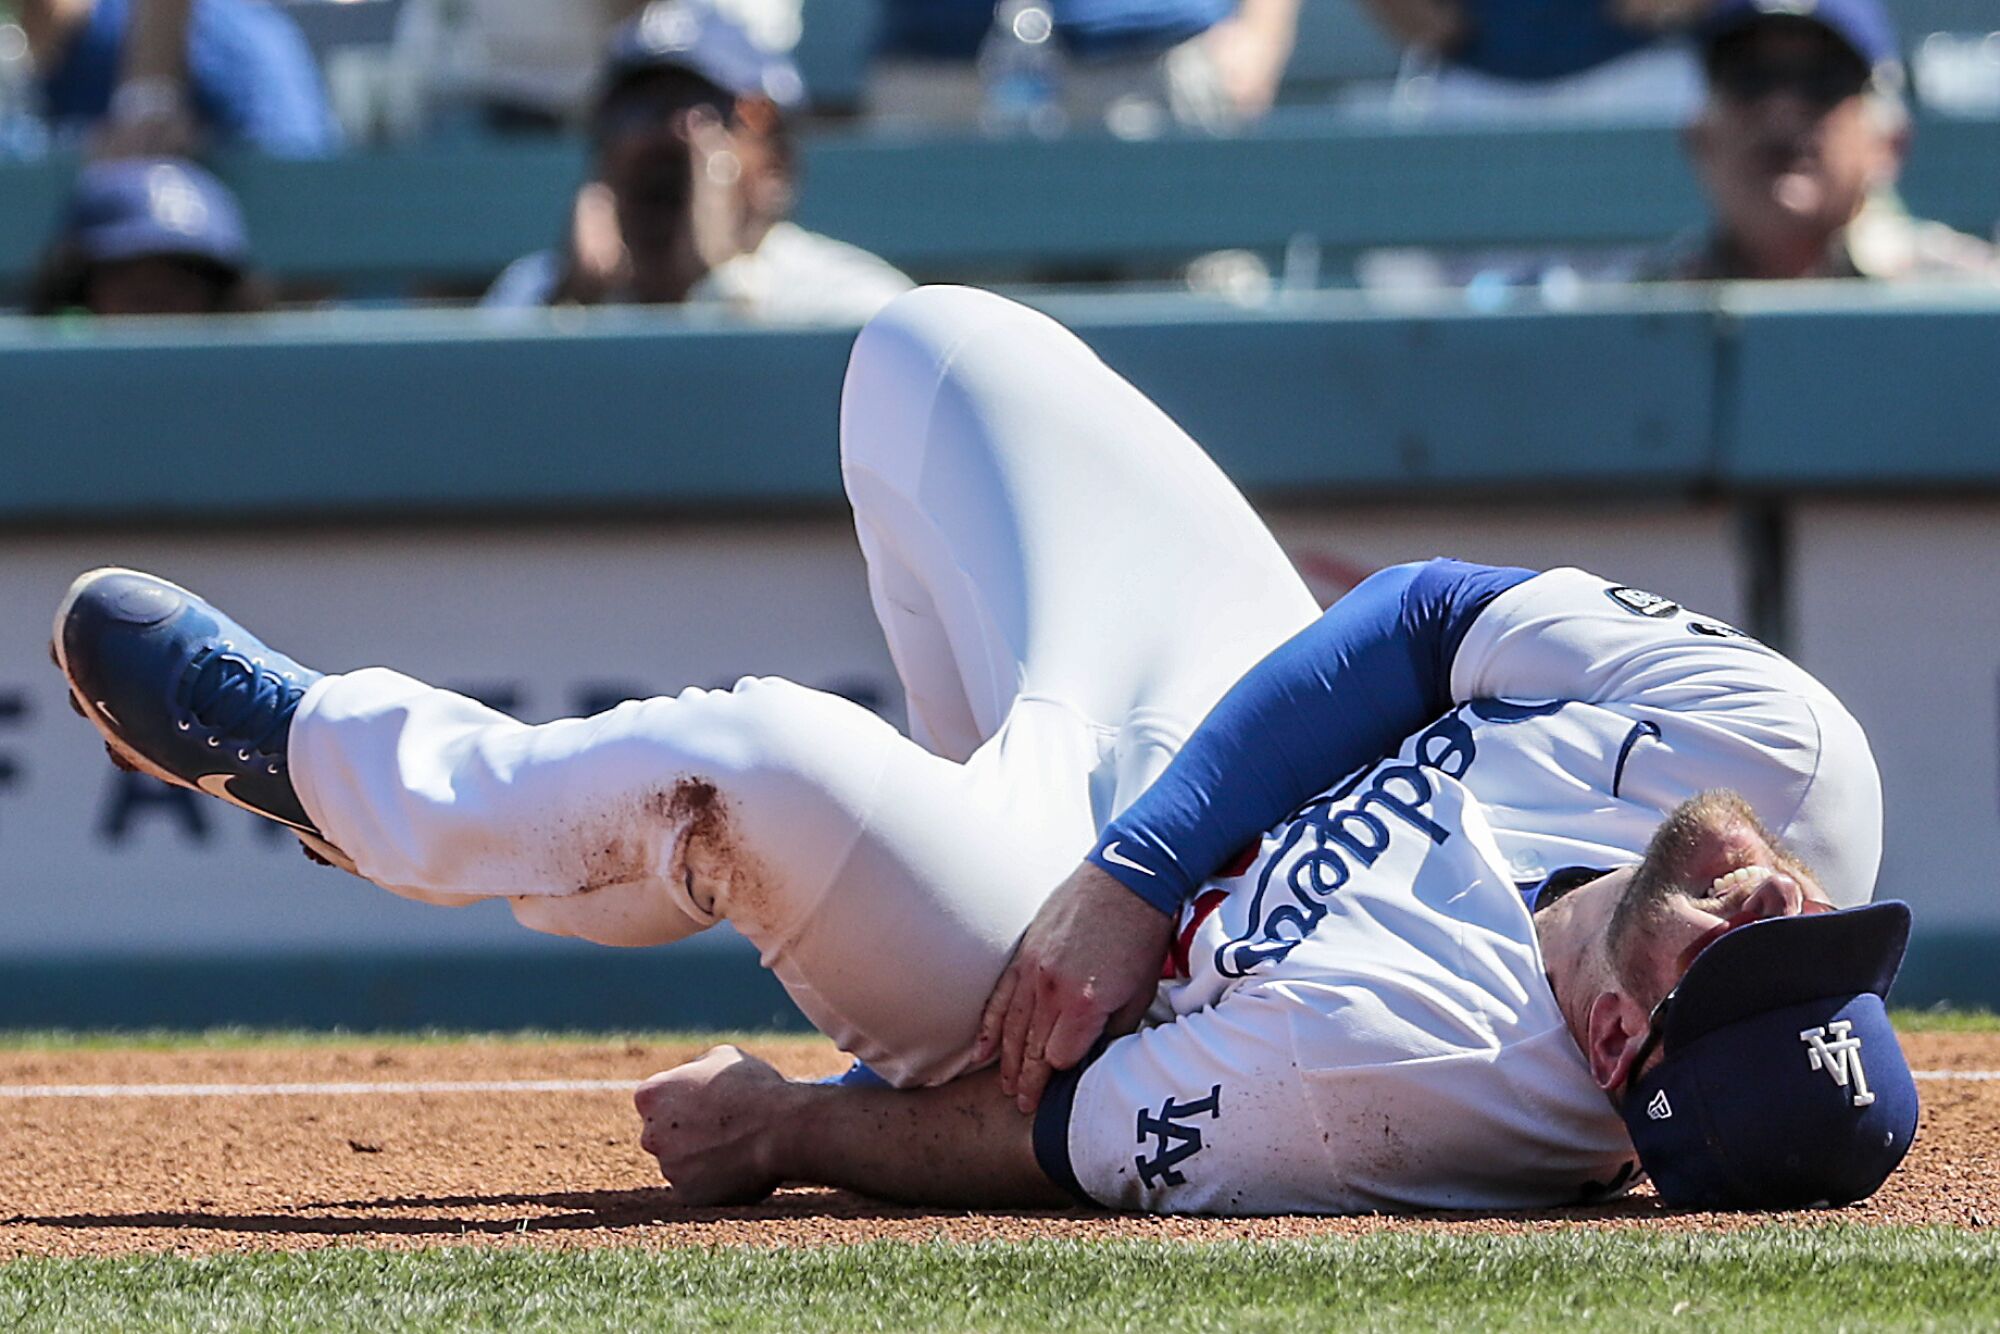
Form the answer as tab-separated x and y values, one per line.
229	694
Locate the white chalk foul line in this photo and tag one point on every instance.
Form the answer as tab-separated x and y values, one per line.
1985	1075
314	1090
361	1088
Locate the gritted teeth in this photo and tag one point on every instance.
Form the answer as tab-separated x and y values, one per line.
1739	878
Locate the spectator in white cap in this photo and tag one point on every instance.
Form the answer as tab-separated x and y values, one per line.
693	187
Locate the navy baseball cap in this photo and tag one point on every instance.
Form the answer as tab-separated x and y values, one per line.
1863	25
138	207
1783	1085
696	36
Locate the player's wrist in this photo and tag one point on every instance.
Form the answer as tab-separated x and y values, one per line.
1160	892
780	1146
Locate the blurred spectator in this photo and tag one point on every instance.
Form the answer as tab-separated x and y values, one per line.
1137	65
507	66
693	184
1536	39
148	237
1799	147
531	66
1594	57
150	75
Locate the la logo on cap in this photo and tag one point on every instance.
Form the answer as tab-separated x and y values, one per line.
174	201
668	26
1840	1057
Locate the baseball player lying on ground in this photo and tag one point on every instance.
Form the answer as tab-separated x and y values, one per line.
1384	902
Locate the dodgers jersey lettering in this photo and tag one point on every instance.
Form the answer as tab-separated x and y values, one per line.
1368	990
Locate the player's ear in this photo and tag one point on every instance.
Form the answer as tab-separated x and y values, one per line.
1614	1031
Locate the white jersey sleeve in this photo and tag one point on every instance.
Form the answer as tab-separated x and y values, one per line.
1725	711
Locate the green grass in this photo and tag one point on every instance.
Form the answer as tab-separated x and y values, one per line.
1907	1021
1943	1020
1777	1278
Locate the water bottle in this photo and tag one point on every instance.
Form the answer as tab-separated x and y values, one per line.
22	132
1020	70
1958	74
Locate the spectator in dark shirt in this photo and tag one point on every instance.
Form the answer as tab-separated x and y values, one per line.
148	237
152	74
1798	149
1535	39
1600	59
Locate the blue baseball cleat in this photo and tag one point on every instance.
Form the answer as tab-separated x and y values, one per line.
181	692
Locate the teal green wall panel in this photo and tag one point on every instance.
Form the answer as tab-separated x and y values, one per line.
298	421
577	988
461	412
1324	402
567	988
952	206
1851	393
458	411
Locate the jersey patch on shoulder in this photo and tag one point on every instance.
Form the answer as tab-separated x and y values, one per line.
1641	603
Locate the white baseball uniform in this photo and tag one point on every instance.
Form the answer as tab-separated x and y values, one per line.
1010	493
1068	585
1360	1017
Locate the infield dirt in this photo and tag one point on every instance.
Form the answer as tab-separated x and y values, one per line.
92	1176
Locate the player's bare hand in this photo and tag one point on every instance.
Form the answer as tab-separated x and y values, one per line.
708	1123
1090	960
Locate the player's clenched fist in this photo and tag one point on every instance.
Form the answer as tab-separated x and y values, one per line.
1090	960
708	1124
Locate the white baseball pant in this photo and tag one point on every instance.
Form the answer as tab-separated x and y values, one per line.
1067	584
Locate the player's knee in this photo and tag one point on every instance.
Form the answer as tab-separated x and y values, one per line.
933	318
918	339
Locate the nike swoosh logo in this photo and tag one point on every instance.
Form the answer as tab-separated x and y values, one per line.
1111	855
217	785
1639	732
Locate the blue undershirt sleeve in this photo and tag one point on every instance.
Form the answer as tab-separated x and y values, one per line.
1341	694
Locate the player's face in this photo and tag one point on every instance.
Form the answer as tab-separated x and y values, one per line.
1711	867
1618	944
